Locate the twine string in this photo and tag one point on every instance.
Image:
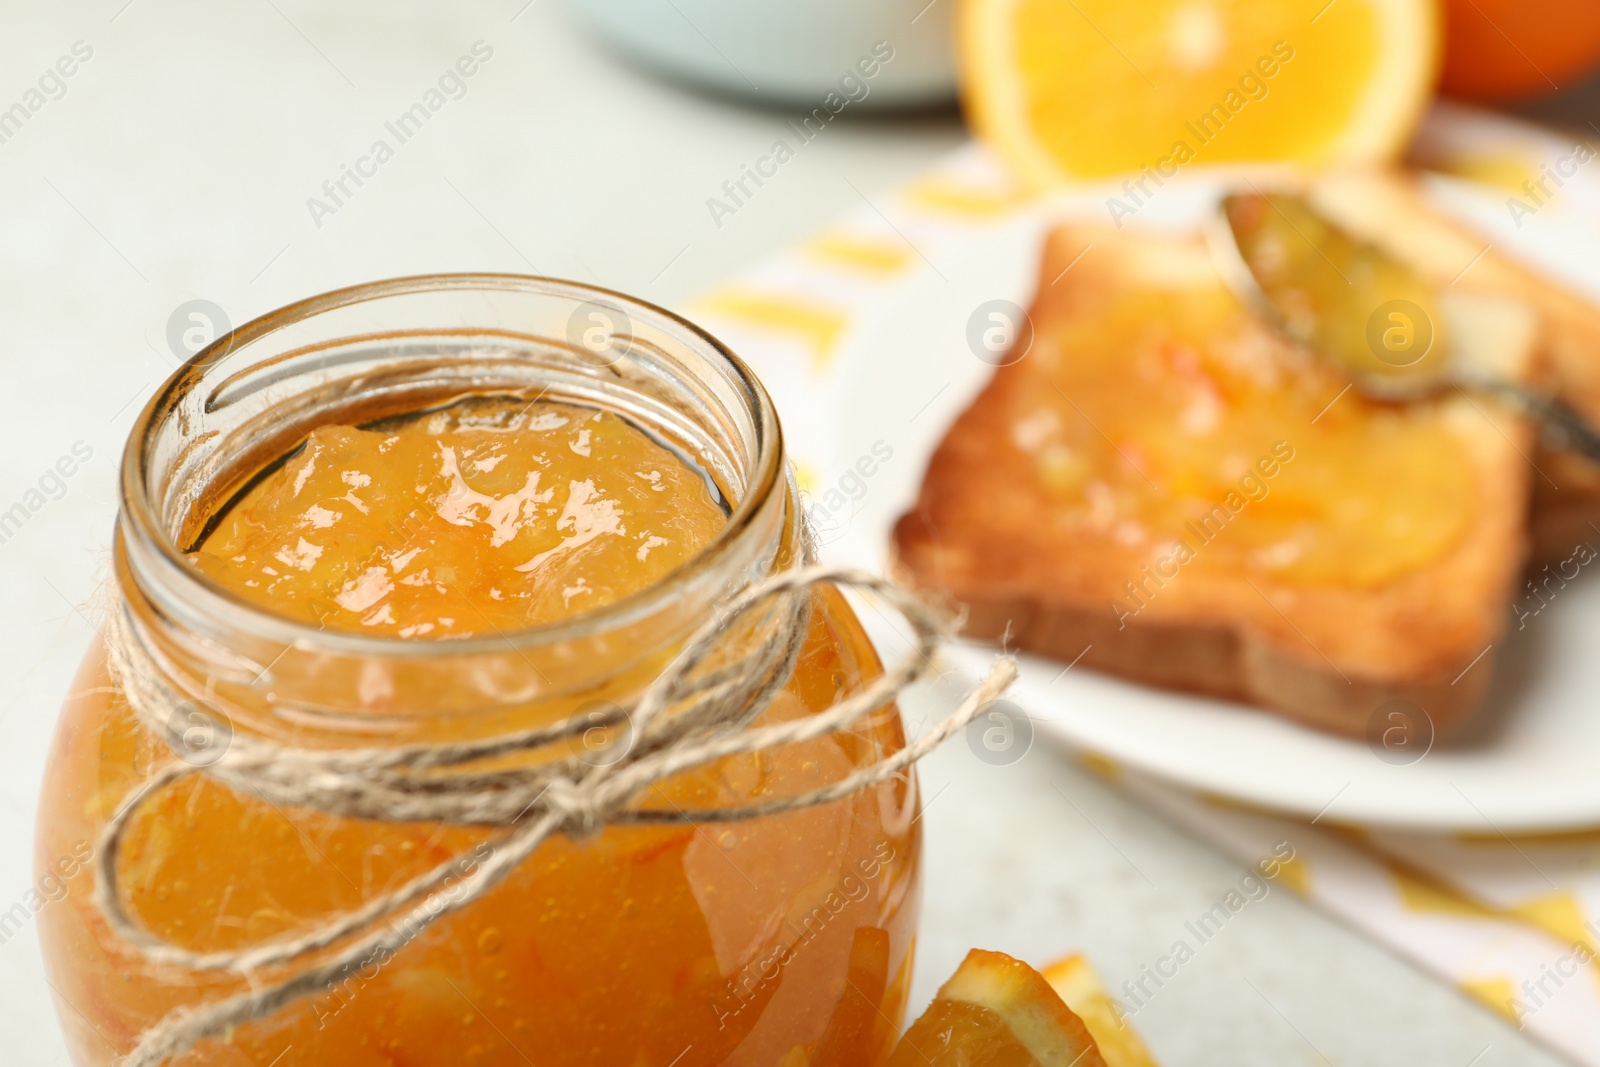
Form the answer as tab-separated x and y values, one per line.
695	712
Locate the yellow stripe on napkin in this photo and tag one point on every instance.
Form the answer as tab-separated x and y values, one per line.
944	196
1559	915
1425	895
1504	170
855	252
1497	994
816	324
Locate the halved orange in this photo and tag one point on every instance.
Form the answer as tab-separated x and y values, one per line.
996	1011
1076	89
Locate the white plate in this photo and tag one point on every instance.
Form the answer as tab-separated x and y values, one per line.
907	371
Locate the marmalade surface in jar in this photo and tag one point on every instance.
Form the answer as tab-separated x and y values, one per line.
784	940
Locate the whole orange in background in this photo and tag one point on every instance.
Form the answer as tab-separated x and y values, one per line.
1515	49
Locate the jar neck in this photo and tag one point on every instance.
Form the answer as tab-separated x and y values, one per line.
399	347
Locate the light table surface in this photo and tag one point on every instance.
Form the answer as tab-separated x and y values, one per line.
178	165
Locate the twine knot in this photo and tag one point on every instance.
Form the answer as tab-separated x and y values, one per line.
580	814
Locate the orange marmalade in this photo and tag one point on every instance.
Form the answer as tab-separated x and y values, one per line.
479	518
1174	413
782	940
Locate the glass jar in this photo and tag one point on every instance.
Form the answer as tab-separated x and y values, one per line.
780	940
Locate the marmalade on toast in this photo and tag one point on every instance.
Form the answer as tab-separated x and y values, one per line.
1166	405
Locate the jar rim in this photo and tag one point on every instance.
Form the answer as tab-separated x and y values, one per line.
140	523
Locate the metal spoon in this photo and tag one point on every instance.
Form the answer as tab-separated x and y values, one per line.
1356	306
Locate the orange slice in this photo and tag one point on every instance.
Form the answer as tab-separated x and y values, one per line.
1080	988
1075	89
996	1012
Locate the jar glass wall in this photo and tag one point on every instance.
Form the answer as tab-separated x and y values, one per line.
780	940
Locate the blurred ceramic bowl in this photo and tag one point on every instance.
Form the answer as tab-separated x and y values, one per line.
788	51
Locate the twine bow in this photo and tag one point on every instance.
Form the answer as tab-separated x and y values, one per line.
713	711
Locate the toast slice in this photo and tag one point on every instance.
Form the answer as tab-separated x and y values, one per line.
1391	209
1164	486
